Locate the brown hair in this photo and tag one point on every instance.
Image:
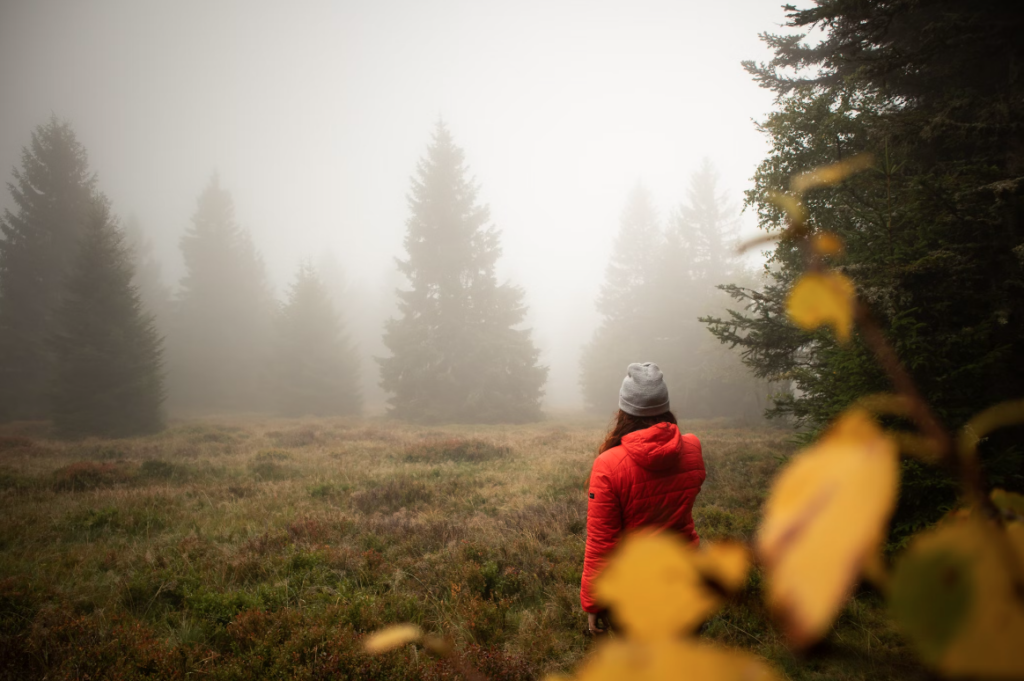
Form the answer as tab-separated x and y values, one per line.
627	423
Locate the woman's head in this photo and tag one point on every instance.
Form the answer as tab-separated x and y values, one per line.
643	402
643	391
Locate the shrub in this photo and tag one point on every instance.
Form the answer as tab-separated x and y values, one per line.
265	466
15	442
9	480
155	469
456	450
87	475
328	490
299	437
392	495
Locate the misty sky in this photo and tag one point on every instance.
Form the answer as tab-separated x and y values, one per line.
315	114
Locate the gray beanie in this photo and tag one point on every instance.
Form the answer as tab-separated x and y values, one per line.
643	391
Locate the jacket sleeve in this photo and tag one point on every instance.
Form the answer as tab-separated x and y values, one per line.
604	528
695	462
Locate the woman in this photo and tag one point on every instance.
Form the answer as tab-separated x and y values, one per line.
647	475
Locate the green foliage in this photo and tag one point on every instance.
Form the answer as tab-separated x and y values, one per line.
457	352
52	192
930	231
108	357
315	369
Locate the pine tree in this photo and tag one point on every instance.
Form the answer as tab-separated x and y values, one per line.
108	377
657	286
630	315
316	369
457	352
932	232
707	228
52	193
222	329
704	379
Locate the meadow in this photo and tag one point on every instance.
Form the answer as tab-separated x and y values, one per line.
261	549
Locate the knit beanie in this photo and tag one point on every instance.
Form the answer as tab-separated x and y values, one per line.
643	391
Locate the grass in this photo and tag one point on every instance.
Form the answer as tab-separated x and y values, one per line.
242	549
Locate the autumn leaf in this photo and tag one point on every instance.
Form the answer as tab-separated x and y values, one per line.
997	416
671	659
392	637
825	517
818	299
725	564
830	174
654	587
826	243
791	205
956	596
1009	503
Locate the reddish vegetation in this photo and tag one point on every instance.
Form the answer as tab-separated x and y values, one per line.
86	475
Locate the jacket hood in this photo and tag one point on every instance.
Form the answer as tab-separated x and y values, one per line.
655	448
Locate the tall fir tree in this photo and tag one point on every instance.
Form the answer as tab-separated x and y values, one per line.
656	287
630	314
316	370
52	192
933	232
458	353
221	334
705	379
108	374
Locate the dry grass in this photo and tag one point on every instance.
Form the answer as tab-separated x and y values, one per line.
260	549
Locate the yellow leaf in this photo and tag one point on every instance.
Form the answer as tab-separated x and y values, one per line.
826	243
819	299
791	205
830	174
672	659
995	417
654	588
824	518
726	564
392	637
1010	503
954	594
1015	531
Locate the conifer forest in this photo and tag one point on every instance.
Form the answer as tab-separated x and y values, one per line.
335	340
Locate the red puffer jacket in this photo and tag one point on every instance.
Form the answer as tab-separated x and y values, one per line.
651	479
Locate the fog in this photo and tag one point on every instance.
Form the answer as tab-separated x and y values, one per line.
315	114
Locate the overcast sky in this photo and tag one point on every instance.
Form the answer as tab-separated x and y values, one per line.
315	113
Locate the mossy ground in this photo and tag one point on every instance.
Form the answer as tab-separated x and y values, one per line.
255	549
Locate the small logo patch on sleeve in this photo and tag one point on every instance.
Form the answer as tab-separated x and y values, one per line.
591	495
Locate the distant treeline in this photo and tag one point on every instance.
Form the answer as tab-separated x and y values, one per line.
659	282
92	338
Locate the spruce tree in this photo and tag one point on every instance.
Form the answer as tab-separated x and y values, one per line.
458	353
316	369
52	193
705	380
108	377
657	286
932	232
221	334
630	314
